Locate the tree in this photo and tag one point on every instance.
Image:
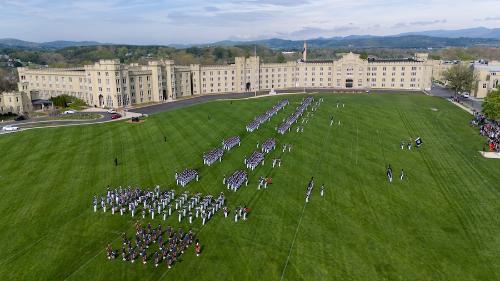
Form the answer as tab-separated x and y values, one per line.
461	78
280	58
491	104
363	55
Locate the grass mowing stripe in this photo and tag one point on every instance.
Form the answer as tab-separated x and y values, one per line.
325	141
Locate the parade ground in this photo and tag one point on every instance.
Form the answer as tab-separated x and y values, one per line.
440	222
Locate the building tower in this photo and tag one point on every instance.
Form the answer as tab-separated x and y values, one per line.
304	52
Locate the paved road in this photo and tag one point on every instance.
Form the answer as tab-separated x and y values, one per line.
473	103
46	122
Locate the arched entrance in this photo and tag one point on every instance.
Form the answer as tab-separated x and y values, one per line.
101	101
248	86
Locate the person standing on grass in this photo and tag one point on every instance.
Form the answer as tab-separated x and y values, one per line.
322	190
197	248
389	173
401	177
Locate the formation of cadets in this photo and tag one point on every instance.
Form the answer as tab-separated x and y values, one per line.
268	145
158	203
169	244
236	180
185	177
255	159
231	142
211	157
259	120
163	245
290	120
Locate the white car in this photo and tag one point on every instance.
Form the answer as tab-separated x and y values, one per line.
10	128
111	111
466	95
69	111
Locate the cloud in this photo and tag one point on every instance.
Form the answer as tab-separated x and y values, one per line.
201	21
428	22
494	18
211	9
401	25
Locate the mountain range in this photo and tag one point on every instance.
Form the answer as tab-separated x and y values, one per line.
419	40
60	44
477	32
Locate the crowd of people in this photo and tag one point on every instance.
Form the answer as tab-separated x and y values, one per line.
255	124
290	120
231	142
255	159
212	156
158	203
185	177
268	145
154	244
488	128
130	200
236	180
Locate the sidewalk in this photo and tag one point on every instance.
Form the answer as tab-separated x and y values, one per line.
468	109
491	155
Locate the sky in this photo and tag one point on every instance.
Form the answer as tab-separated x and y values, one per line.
205	21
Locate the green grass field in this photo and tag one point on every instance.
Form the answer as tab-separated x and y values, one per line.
441	223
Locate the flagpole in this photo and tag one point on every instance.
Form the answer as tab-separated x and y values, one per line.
255	54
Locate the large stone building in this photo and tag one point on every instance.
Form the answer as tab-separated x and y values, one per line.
15	103
108	83
488	77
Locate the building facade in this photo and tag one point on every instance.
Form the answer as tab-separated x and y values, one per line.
15	102
108	83
488	78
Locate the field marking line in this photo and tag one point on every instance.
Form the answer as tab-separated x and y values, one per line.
293	242
7	260
357	143
325	141
21	252
88	261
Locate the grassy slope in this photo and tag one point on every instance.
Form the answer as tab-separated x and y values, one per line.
440	224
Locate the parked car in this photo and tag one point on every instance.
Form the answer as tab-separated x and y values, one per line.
115	116
111	111
466	95
10	128
20	118
69	112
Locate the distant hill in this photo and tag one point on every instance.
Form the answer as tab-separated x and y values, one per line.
477	32
402	42
418	40
16	43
